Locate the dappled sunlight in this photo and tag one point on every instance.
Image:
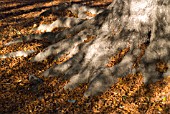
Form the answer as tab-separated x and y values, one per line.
77	56
17	54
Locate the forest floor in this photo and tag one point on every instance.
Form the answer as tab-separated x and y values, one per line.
128	95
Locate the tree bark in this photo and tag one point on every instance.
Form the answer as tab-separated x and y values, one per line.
126	24
135	31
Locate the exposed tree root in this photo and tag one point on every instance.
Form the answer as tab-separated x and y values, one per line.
76	9
121	26
17	54
61	22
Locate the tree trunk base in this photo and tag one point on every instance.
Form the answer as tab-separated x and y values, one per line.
123	39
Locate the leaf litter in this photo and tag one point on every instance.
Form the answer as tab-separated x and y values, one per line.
128	95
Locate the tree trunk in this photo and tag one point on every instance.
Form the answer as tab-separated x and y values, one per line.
128	37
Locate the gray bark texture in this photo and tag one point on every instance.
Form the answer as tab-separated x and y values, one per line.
124	24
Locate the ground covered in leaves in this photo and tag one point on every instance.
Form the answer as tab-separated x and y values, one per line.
19	95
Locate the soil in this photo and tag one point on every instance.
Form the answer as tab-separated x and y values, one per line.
19	95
